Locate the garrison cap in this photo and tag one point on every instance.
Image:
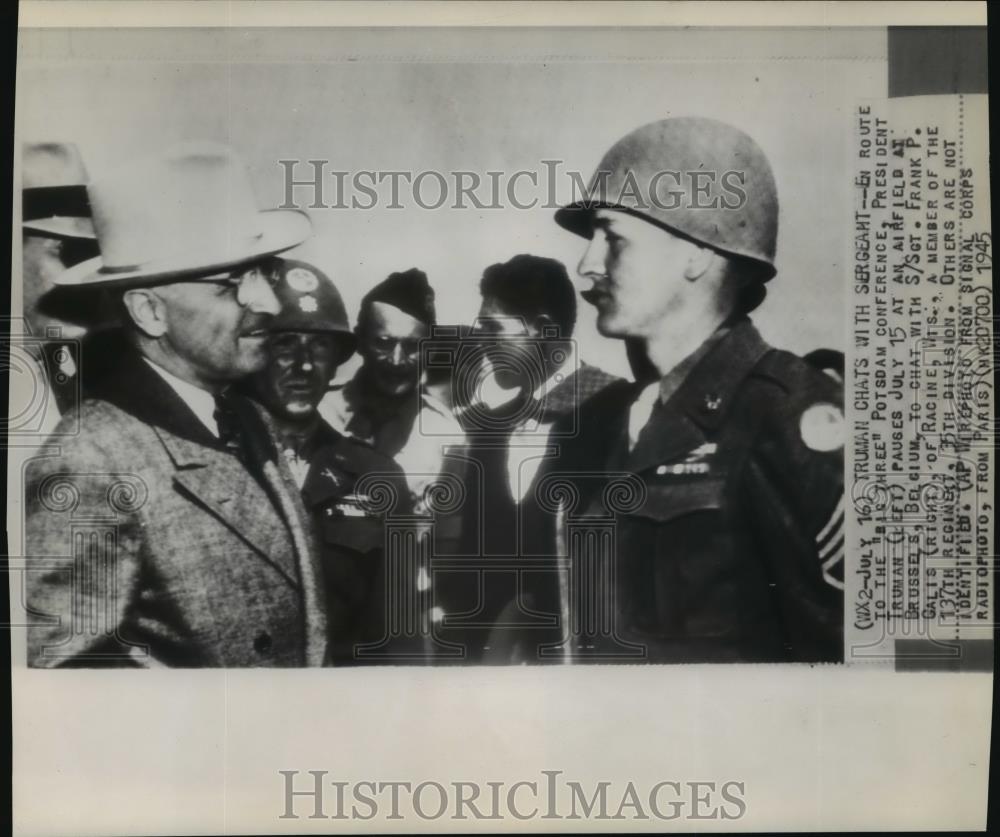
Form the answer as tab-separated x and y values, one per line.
409	291
699	178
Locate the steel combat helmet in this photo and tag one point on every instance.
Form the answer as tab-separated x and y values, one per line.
310	302
698	178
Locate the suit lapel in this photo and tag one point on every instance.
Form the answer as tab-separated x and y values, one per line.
220	483
266	516
278	474
205	470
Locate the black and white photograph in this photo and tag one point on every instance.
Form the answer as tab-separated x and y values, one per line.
397	404
500	355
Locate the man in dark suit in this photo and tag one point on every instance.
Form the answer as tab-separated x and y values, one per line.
168	531
728	545
505	603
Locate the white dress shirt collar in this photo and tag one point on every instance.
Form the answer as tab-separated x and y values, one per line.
201	402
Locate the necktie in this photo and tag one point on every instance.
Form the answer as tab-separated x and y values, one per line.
239	435
228	423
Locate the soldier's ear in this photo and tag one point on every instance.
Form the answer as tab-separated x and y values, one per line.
699	261
147	311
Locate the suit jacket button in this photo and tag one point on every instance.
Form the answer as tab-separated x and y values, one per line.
262	644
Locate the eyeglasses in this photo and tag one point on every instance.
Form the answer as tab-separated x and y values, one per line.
236	277
240	283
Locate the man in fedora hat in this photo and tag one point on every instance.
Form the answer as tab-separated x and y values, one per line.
337	474
57	233
733	549
187	538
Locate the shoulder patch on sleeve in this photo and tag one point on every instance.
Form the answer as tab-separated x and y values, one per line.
822	427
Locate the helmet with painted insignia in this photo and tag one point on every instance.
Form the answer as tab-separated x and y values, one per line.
310	302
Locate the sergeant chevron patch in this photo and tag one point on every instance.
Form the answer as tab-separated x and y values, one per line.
830	546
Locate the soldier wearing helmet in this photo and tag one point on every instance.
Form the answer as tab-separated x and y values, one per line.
308	340
734	550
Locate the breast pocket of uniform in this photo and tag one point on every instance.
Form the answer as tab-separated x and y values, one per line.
676	497
675	558
360	535
351	550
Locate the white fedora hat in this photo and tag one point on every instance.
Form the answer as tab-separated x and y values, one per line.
54	190
188	210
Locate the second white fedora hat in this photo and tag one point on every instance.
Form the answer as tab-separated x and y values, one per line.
190	209
54	191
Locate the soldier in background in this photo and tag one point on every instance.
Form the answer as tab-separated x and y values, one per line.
310	338
57	234
523	337
733	550
386	404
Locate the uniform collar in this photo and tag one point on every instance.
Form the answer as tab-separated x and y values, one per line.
671	382
701	403
708	391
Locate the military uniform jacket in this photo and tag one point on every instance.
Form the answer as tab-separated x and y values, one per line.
730	549
179	554
414	431
349	490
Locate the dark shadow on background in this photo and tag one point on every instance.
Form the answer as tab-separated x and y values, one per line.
941	655
928	60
